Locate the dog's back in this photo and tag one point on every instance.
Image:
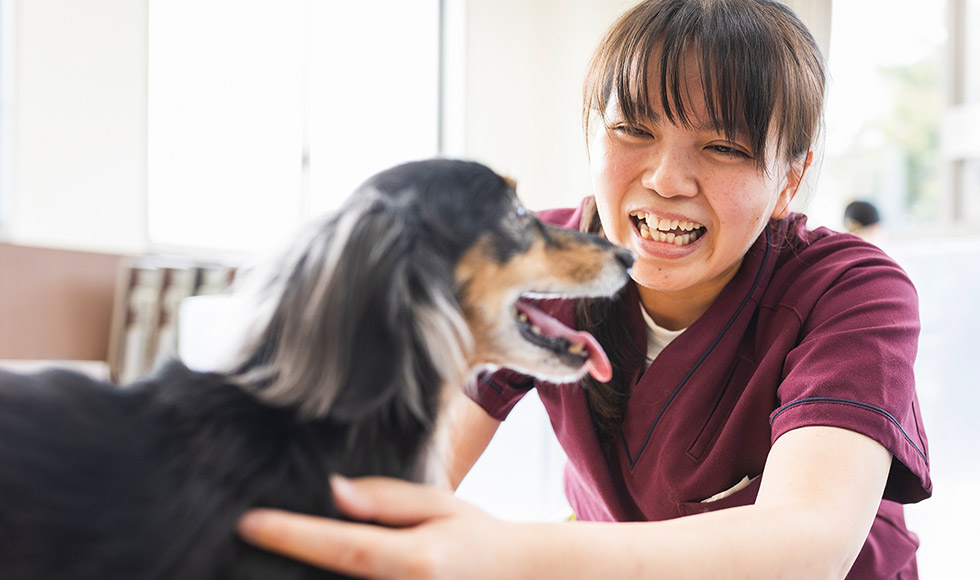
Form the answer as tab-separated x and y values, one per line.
148	481
357	338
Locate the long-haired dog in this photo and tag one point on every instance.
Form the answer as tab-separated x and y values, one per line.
410	287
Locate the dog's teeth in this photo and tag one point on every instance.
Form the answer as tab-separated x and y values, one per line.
577	348
536	329
522	317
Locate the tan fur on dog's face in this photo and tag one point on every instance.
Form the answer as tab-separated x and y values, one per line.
555	263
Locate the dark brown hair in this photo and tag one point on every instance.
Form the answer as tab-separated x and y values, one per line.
761	72
758	64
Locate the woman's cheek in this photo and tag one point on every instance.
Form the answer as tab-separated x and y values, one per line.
613	226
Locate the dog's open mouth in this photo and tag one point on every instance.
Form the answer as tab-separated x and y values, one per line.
574	346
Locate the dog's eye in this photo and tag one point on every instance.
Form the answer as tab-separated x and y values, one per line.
519	217
520	226
519	213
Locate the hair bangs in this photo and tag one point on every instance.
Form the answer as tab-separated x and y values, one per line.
740	79
620	77
754	83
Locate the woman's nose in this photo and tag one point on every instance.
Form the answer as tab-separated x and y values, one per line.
670	173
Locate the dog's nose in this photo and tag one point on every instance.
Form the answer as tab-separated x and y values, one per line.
625	257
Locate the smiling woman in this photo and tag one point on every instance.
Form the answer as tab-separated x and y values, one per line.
763	440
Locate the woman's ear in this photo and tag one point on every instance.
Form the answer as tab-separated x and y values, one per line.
791	185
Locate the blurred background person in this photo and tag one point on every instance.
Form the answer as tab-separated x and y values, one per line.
863	219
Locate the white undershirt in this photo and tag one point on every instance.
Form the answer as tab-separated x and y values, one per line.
658	337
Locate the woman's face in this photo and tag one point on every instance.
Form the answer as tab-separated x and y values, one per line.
689	202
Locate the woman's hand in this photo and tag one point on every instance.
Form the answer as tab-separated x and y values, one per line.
819	494
429	533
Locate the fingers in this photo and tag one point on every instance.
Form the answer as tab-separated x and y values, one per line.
392	502
339	546
356	549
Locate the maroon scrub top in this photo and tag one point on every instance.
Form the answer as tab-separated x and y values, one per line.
816	328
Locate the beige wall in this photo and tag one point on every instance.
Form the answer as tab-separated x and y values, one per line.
526	62
56	304
816	14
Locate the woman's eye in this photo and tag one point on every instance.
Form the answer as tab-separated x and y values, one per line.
630	131
729	151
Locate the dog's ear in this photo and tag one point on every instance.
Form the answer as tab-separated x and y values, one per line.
367	314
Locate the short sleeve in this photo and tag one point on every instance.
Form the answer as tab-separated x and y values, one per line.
853	365
498	392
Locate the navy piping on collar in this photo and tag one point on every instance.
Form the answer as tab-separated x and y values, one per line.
704	356
878	410
485	377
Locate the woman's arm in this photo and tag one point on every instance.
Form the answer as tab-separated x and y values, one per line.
470	431
819	494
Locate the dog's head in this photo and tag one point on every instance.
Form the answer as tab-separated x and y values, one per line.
416	282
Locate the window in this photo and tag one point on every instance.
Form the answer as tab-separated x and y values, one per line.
265	113
961	127
6	52
884	111
903	115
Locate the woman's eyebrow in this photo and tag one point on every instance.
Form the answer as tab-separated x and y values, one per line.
652	118
614	110
696	123
739	133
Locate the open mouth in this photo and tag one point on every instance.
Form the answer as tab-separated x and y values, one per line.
676	232
575	347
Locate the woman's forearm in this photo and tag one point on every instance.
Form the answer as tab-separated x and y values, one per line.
746	542
817	501
434	535
802	526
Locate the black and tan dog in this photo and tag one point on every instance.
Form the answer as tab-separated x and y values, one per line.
405	291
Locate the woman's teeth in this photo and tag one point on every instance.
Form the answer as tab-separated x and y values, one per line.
676	232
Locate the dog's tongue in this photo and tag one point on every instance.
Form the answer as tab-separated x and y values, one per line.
598	363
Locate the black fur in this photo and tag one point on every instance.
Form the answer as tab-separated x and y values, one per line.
356	332
147	482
